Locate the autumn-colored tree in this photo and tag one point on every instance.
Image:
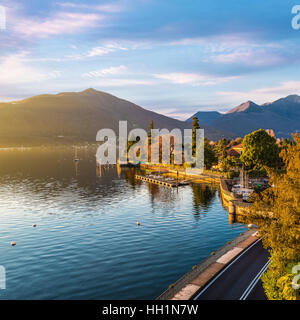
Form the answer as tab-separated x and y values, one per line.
286	142
278	215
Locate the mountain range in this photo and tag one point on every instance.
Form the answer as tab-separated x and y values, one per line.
77	117
283	116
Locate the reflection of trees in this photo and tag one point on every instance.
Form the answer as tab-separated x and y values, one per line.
163	196
129	175
153	191
203	195
49	173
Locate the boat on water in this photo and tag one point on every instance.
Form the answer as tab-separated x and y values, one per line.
76	159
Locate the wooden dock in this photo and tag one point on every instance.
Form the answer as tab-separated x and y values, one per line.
171	183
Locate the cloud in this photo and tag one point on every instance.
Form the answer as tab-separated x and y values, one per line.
103	50
6	99
262	95
104	72
61	23
192	78
122	82
216	42
15	71
239	48
249	57
113	79
176	113
108	7
99	51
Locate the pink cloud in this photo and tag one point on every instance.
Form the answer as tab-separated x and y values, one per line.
107	7
61	23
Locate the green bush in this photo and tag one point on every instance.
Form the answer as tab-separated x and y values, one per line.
254	173
278	283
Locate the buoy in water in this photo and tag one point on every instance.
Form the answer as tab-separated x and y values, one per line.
13	243
251	225
138	223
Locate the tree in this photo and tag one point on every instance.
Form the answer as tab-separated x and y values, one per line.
278	215
196	126
220	150
149	132
260	151
231	162
149	140
220	147
286	142
209	155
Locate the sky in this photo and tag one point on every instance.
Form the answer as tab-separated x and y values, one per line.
174	57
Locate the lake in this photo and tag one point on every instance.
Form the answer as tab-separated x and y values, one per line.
87	244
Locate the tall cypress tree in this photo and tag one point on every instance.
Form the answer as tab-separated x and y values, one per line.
149	140
196	126
149	132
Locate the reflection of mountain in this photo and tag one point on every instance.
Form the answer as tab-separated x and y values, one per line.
203	195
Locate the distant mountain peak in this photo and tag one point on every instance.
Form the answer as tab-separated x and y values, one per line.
248	106
282	115
90	91
292	98
205	117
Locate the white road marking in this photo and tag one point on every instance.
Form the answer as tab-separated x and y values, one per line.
254	281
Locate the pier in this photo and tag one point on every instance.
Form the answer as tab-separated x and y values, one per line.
163	181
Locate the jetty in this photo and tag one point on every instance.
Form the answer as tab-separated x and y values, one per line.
163	181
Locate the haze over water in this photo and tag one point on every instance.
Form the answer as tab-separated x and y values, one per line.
87	244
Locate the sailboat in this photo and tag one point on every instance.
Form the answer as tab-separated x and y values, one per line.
76	159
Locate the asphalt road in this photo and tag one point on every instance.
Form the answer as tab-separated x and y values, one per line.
240	280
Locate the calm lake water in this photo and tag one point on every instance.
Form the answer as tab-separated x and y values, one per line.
87	244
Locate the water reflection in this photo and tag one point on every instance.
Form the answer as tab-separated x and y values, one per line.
87	244
203	195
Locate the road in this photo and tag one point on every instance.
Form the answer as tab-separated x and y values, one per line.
240	280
